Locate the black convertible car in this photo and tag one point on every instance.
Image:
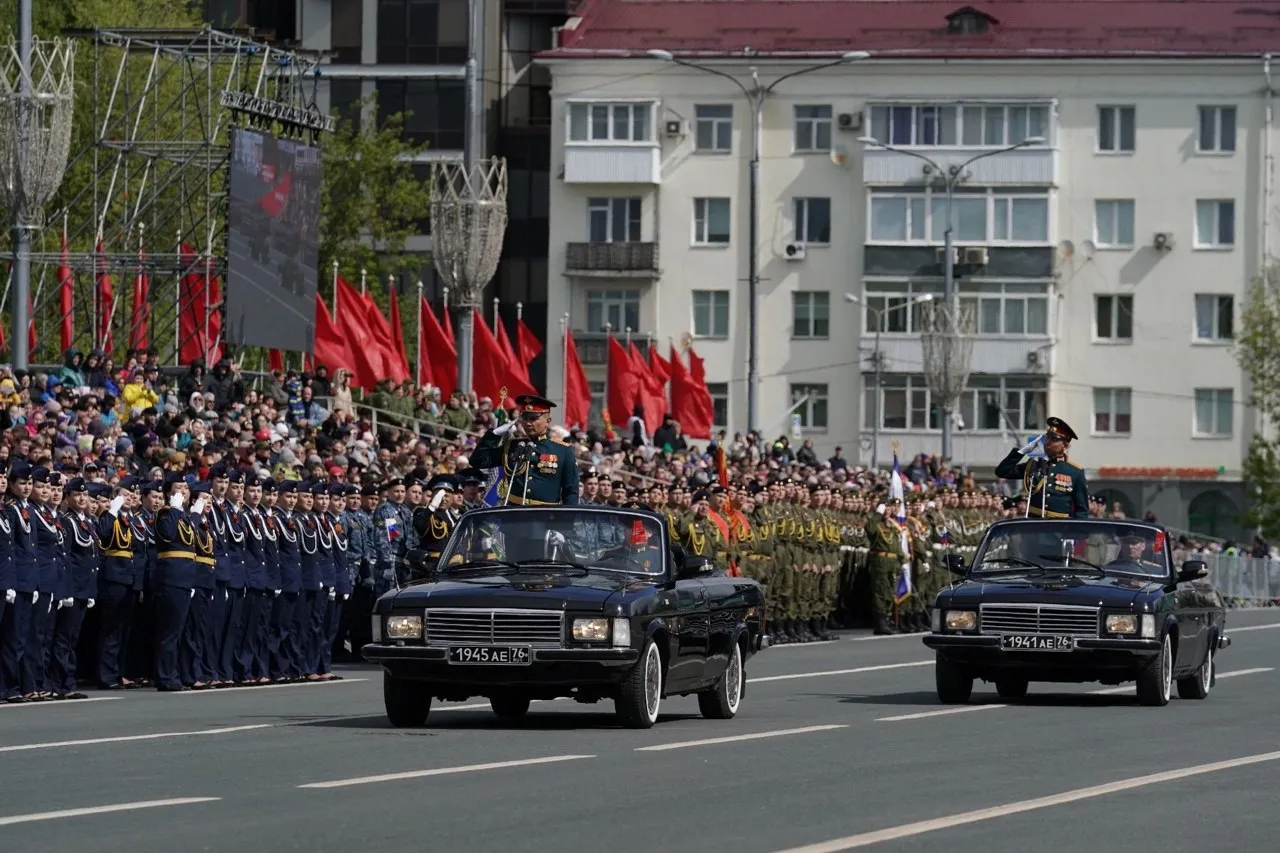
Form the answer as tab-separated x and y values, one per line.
584	602
1077	600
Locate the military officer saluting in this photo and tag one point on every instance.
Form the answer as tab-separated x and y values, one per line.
536	471
1053	487
434	522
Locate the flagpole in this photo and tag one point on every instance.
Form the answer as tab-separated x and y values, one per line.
363	275
418	362
335	291
204	335
64	241
564	359
628	337
495	315
177	314
608	358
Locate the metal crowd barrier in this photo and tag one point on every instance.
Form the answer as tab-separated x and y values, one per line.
1245	582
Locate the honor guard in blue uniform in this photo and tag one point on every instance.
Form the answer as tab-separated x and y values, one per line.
313	595
143	501
251	657
1052	487
232	632
174	579
219	604
116	594
389	538
342	580
82	557
197	633
46	529
8	578
275	581
285	665
356	523
25	583
536	471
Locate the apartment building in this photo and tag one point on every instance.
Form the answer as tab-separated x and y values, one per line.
1110	207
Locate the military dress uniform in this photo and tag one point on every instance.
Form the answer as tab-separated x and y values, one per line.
82	570
25	585
197	632
534	473
340	592
52	585
140	656
363	557
8	594
435	522
1051	488
285	664
251	655
116	595
174	582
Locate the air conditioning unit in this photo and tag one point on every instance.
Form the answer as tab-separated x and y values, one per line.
942	256
849	121
1033	359
794	252
675	127
976	256
1162	241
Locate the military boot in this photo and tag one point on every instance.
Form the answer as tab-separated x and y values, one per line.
884	626
819	630
792	635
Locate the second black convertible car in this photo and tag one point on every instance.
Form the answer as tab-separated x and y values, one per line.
1077	600
584	602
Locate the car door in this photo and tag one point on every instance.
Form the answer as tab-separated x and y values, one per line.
725	609
692	633
1189	616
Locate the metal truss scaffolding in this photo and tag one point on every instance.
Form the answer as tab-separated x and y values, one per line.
147	175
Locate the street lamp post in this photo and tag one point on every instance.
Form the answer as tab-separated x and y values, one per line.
755	96
879	315
951	177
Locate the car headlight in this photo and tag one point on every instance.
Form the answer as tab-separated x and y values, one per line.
404	627
1122	623
591	630
961	620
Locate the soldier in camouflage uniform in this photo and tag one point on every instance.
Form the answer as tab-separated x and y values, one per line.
700	535
389	538
363	557
885	560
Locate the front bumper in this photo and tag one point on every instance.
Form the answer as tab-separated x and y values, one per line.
980	641
548	667
1092	659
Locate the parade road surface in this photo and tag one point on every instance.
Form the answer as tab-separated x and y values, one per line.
838	746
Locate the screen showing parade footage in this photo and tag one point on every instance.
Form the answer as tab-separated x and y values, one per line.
273	247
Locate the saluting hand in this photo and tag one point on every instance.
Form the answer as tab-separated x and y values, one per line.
10	596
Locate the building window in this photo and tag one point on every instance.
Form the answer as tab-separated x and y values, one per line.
1001	310
813	220
812	129
610	123
1113	223
436	111
968	125
719	392
1116	129
990	404
345	98
981	216
1214	413
1113	318
618	309
713	125
711	313
1217	130
711	222
595	415
613	220
424	32
1111	411
1215	224
813	411
811	314
1215	317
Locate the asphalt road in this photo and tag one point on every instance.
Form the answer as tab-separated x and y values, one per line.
838	746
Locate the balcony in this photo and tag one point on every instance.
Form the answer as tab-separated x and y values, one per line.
991	354
612	260
593	347
624	163
1022	167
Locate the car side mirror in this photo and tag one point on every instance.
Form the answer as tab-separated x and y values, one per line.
956	564
1193	570
695	567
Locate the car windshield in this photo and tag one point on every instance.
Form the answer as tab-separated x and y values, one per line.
598	539
1099	546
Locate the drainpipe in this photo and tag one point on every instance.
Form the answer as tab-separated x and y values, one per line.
1268	161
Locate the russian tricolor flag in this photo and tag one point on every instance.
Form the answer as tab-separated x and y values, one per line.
903	591
393	528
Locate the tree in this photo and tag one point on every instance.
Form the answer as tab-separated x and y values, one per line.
1258	352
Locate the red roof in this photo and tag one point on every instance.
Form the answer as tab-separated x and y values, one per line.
919	28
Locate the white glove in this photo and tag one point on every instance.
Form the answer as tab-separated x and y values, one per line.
345	596
10	596
89	604
175	500
880	509
333	594
192	595
505	428
35	598
199	505
116	504
436	501
68	602
555	537
277	593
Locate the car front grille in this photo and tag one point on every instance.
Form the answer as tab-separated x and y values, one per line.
1038	619
539	628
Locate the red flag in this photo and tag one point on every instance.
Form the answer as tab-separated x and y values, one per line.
698	373
275	360
514	364
658	365
330	346
140	311
653	394
365	350
491	372
393	366
199	321
527	342
622	384
577	393
439	364
688	406
66	291
397	338
106	303
274	200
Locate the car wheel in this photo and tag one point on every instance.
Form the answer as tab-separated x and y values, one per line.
955	686
722	702
407	702
509	706
1011	688
641	694
1155	679
1197	686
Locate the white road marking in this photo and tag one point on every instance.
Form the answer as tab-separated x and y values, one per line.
56	704
908	830
119	807
854	671
1126	688
127	738
1231	630
443	771
735	738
